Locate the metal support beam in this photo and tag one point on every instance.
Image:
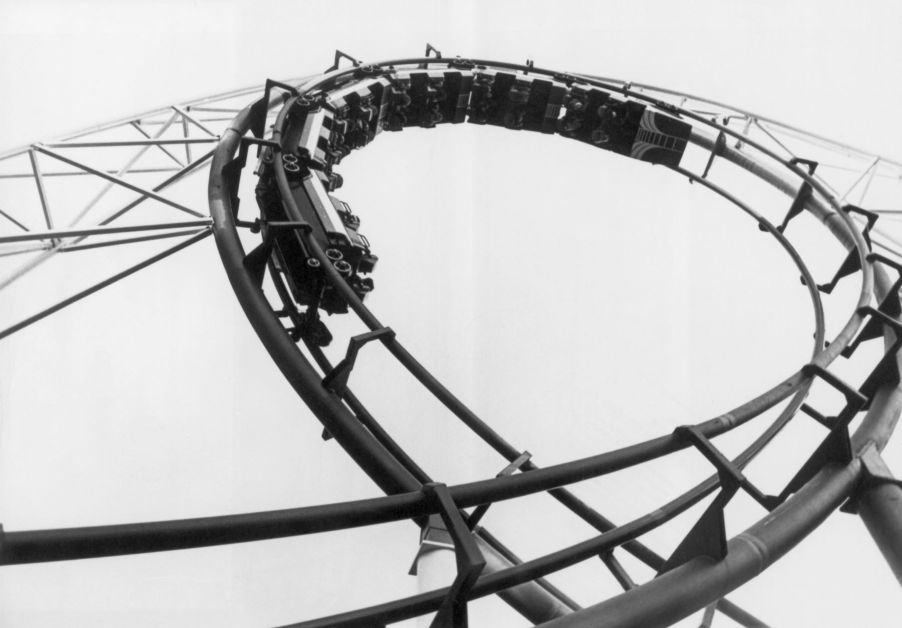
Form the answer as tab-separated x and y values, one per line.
879	503
119	181
80	173
49	253
123	170
103	284
121	241
123	143
69	233
617	570
13	220
187	116
140	129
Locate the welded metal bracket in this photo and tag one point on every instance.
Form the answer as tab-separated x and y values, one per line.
855	400
470	562
802	196
749	120
255	262
887	313
827	421
812	165
433	536
873	473
339	55
431	51
231	172
852	263
731	477
231	178
886	372
877	257
479	512
798	204
257	113
708	537
337	379
716	151
837	446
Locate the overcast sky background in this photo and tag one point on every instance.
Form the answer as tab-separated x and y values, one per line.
577	300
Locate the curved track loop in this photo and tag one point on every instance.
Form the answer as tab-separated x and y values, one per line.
691	579
659	603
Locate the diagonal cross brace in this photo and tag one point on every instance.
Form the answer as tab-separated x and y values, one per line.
117	180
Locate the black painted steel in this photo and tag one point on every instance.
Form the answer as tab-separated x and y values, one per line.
683	589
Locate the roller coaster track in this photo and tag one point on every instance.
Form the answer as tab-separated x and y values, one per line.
216	135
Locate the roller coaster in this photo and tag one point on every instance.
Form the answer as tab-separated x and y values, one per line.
311	257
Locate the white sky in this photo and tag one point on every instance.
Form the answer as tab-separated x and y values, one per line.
154	400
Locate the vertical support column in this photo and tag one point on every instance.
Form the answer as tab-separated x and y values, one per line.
879	503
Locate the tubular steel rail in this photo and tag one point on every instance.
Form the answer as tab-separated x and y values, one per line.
705	567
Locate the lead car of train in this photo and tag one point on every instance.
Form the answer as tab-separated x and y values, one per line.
322	127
